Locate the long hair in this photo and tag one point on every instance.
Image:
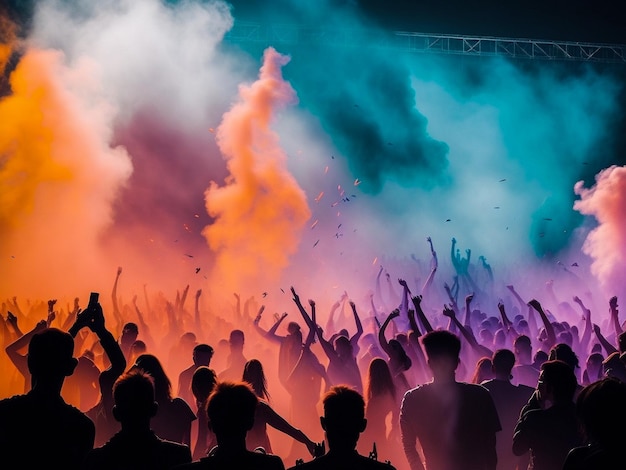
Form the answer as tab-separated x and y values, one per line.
254	375
151	365
379	380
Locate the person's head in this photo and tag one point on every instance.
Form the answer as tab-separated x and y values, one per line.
236	340
130	331
503	361
202	355
557	382
399	358
152	366
231	410
133	394
343	347
443	349
254	375
344	417
294	329
202	383
523	349
50	356
137	349
539	358
614	367
379	380
601	409
594	366
564	353
483	370
187	340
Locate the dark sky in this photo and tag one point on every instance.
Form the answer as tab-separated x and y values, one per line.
600	21
572	20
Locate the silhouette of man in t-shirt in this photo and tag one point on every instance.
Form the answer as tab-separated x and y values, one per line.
136	445
38	429
455	422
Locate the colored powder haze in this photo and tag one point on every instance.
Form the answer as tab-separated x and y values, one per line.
136	136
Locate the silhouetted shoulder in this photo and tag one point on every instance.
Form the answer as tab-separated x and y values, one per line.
147	451
246	461
61	434
352	462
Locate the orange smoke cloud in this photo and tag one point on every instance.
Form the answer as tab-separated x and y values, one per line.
606	243
58	175
261	210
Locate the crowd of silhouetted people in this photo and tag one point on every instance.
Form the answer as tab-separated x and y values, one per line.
447	376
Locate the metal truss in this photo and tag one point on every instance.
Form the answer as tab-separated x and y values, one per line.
282	34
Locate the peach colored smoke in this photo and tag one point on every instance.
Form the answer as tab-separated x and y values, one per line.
606	243
58	175
260	211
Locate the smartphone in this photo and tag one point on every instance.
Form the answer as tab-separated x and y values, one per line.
93	298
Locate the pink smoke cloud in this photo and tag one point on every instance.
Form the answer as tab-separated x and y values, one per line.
606	243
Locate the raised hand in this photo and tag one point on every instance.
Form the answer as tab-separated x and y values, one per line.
613	302
12	319
448	312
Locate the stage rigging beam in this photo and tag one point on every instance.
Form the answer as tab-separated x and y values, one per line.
287	34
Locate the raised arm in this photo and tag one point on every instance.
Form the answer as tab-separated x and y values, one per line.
417	303
354	340
20	361
281	424
468	309
196	313
271	333
434	264
586	336
404	303
615	316
608	347
143	326
384	344
116	309
551	335
478	348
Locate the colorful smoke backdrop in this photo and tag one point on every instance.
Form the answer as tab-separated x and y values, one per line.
134	133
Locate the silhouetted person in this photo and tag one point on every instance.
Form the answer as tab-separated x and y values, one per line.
38	429
601	409
254	375
509	400
524	372
231	414
130	331
202	384
343	422
93	318
136	446
236	359
455	422
202	355
174	416
548	426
